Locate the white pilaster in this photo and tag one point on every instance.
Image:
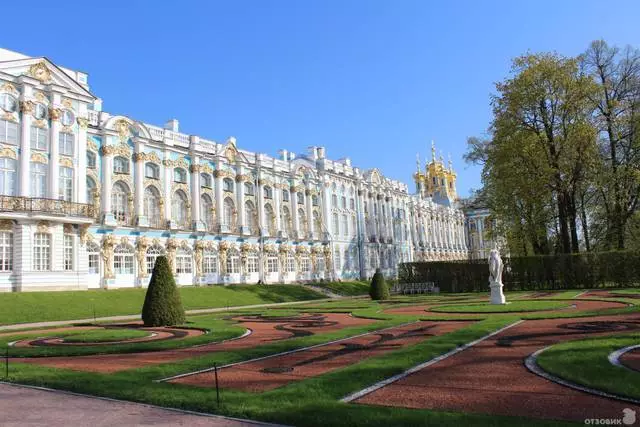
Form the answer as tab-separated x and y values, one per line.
24	183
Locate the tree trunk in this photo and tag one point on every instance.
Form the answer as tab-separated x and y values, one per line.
585	225
573	226
565	240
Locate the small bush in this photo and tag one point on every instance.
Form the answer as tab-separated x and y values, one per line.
162	303
379	289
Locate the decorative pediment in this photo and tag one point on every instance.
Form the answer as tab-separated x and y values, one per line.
8	152
116	150
39	158
180	162
147	157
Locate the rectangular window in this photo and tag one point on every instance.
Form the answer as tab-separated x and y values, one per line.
183	263
233	264
41	252
94	260
252	264
6	251
38	179
272	264
8	132
305	265
65	142
65	184
39	138
291	264
210	263
68	252
337	260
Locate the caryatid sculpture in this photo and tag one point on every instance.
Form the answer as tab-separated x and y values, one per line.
495	277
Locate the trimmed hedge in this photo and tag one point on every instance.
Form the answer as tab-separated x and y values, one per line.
564	271
162	304
379	289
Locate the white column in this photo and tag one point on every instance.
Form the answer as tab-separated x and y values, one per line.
262	222
219	200
107	182
326	210
277	194
242	222
309	212
54	159
197	224
294	213
24	185
168	181
80	172
141	219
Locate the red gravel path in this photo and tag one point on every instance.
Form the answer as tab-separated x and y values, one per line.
319	360
491	378
609	294
580	305
262	332
631	359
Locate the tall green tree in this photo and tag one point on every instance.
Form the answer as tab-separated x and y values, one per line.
616	103
541	151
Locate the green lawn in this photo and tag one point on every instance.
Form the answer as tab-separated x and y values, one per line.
25	307
511	307
585	362
625	291
354	288
106	335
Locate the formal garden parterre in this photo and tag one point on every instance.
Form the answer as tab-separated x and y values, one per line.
295	364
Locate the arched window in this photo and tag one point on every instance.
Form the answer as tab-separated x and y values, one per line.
352	204
345	226
248	189
285	195
7	176
120	202
152	206
91	160
120	165
317	221
334	201
93	253
251	216
91	188
228	214
300	197
183	261
179	209
151	170
206	211
268	192
210	261
302	221
153	252
335	224
123	259
314	200
180	175
343	202
38	180
353	225
347	264
305	264
270	218
65	183
227	185
286	220
205	180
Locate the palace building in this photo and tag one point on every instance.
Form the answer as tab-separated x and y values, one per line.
89	199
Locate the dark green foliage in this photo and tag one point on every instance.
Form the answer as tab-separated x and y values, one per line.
563	271
379	289
162	304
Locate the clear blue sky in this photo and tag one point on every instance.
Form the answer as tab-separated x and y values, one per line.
372	80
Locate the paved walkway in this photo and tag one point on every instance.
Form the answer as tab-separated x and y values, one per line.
137	316
25	406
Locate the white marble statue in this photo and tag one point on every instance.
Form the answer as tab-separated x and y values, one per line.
495	277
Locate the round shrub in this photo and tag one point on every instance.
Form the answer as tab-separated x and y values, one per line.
162	303
379	289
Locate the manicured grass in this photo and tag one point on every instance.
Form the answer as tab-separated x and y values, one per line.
312	402
512	307
625	291
218	330
106	335
354	288
26	307
585	362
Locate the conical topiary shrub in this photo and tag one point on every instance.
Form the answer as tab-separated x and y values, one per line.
162	304
378	289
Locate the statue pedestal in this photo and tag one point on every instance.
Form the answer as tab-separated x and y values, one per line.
497	296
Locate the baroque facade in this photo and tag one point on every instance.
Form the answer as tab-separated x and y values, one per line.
90	199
